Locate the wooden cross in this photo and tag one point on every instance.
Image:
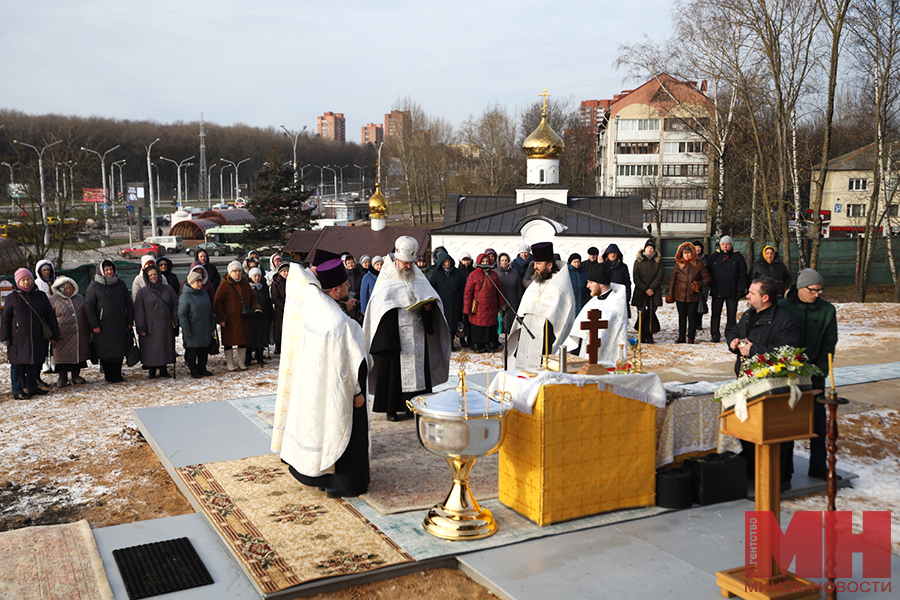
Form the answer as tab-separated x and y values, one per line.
593	325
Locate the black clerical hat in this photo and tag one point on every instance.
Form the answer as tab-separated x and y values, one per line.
331	273
599	272
542	252
322	256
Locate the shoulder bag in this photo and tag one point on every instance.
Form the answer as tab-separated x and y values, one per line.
46	330
246	311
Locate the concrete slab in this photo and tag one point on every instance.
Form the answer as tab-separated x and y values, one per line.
229	580
188	434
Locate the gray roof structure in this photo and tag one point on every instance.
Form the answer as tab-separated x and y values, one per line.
507	219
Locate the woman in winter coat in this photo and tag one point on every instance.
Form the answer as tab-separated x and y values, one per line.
204	276
512	287
166	269
450	284
110	313
233	294
274	262
46	275
278	293
259	334
21	331
648	279
613	257
684	289
72	350
214	278
368	283
769	265
482	302
156	320
198	322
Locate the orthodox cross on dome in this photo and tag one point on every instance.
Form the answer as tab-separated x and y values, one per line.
544	107
594	324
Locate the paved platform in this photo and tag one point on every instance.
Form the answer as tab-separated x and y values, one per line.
673	555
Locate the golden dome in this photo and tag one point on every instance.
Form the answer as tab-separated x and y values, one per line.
543	142
378	204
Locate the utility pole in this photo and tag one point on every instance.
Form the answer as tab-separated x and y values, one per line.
204	173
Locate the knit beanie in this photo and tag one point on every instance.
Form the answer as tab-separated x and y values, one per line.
234	265
808	277
194	276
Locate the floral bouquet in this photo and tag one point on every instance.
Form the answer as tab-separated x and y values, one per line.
761	374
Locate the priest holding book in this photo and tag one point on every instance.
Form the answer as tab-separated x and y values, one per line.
406	333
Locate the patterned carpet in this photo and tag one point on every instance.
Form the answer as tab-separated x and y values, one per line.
55	561
282	532
404	476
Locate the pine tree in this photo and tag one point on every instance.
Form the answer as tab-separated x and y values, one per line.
278	206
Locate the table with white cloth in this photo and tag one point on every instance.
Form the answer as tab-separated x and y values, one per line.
690	426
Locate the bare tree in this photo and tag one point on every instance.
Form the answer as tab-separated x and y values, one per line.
491	144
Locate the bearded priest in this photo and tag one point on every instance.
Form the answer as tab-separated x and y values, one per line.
406	333
547	308
325	440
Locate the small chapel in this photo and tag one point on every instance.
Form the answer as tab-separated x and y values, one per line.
542	210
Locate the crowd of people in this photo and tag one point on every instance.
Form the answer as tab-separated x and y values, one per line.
48	323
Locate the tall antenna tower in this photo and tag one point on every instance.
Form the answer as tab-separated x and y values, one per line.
204	176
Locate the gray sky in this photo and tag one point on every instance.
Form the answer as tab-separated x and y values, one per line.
269	62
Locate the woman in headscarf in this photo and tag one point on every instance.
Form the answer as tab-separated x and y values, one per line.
25	311
196	267
274	262
512	286
213	273
769	265
166	269
147	262
278	293
233	294
259	334
368	282
156	320
684	289
613	257
46	275
110	313
72	350
198	322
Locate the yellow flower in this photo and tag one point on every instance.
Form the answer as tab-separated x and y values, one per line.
796	363
776	368
762	372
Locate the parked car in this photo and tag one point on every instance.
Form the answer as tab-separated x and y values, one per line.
212	248
221	206
153	250
172	243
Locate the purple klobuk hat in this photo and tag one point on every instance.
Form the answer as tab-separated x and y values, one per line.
331	273
542	251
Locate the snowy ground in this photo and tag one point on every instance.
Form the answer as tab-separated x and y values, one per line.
71	448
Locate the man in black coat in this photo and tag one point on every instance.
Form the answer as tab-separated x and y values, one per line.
450	284
764	327
728	270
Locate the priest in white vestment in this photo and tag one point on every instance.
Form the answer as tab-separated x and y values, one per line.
547	308
406	334
611	299
325	438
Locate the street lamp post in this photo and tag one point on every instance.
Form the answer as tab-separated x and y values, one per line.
321	186
335	189
362	172
150	184
222	183
71	181
186	191
342	177
295	136
12	181
209	184
237	181
40	154
178	166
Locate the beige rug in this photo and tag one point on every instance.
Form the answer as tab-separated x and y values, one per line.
403	476
283	532
52	562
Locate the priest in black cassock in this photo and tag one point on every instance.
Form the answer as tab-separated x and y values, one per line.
406	333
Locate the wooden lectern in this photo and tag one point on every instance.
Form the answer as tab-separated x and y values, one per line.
771	421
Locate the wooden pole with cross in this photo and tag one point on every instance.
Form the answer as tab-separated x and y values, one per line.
593	325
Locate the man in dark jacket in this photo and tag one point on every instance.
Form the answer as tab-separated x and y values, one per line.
764	327
613	257
728	270
817	321
450	284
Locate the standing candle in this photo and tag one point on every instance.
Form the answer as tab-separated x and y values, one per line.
831	372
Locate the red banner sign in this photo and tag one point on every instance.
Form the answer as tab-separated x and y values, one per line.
94	195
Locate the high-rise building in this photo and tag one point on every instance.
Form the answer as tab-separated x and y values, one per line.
372	133
395	121
331	126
